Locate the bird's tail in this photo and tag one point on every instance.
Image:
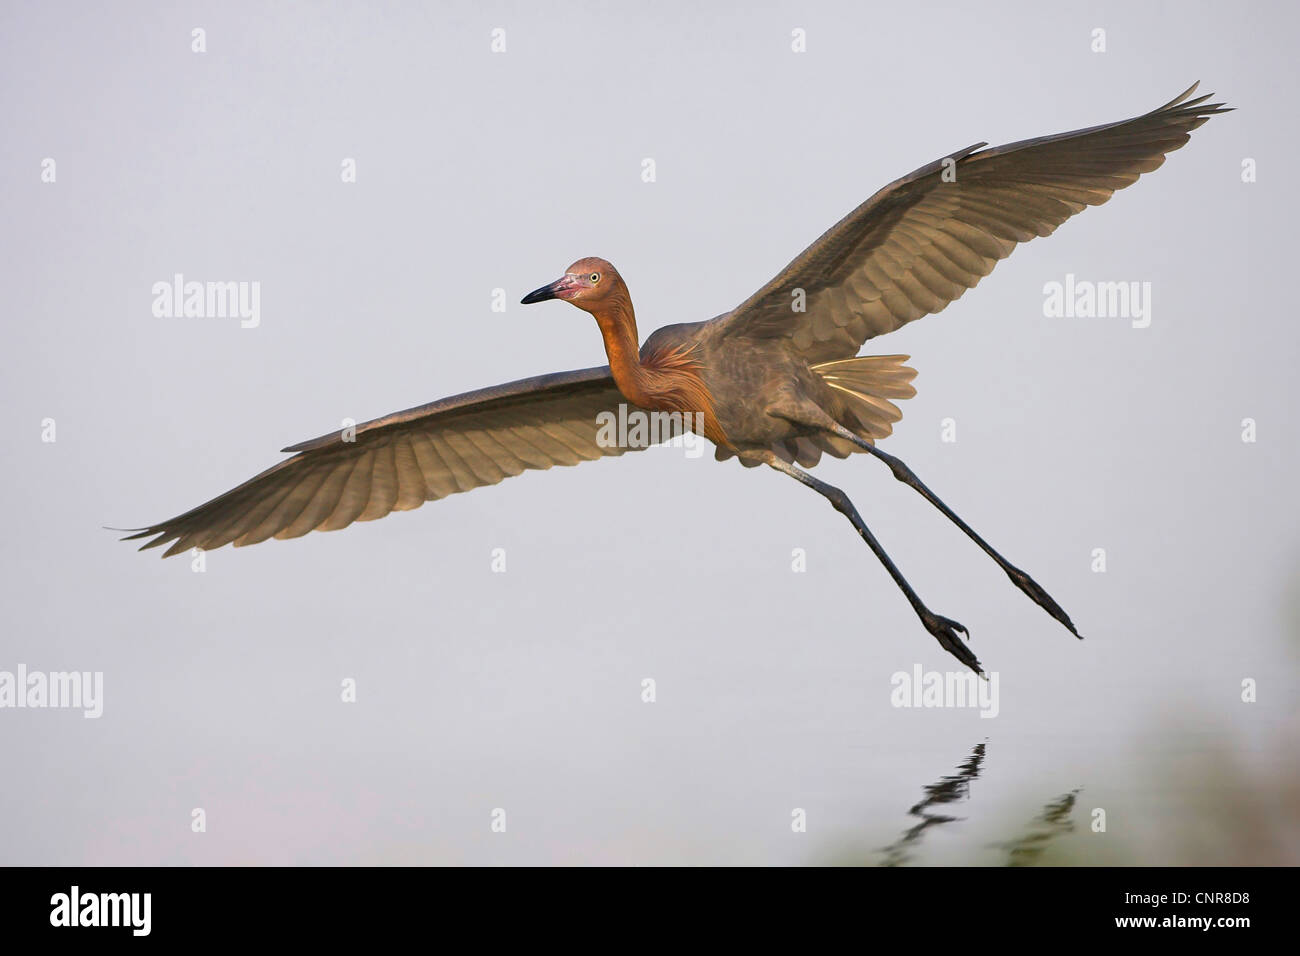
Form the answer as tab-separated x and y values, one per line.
866	385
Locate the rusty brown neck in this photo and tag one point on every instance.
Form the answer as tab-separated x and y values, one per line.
617	324
667	381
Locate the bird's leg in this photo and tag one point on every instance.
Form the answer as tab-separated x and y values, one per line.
1019	578
944	629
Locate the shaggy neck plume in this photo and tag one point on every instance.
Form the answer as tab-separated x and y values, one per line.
667	381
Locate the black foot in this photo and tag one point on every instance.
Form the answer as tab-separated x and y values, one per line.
945	631
1041	598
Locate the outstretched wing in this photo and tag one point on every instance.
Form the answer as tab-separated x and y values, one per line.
923	240
400	461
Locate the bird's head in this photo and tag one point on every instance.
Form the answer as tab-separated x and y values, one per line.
589	283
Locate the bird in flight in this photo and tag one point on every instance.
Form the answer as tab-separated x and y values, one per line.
777	381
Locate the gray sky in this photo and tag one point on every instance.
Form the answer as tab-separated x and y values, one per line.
479	690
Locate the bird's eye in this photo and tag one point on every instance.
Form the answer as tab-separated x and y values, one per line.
595	277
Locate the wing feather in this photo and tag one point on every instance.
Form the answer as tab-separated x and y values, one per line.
398	462
922	241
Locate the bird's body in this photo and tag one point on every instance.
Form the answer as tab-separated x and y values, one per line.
779	381
776	381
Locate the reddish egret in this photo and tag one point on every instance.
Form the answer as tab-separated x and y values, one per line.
777	381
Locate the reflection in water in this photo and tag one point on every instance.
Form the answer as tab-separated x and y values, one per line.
1051	823
942	791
